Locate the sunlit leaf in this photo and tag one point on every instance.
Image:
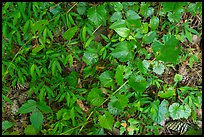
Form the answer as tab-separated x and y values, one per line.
95	96
106	121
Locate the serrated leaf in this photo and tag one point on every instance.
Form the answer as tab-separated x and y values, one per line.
69	34
119	74
97	14
158	67
178	112
154	23
106	78
6	125
123	51
95	96
36	120
106	121
138	83
119	101
171	49
123	32
27	107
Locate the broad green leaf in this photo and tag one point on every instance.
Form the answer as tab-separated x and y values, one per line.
123	32
117	6
123	51
119	74
95	96
29	130
38	48
158	67
43	107
154	23
149	38
90	57
106	78
170	92
138	83
39	25
27	107
97	14
36	120
174	110
178	77
178	112
116	16
163	112
106	121
140	66
69	34
132	15
171	49
6	125
119	101
118	24
157	46
144	9
81	7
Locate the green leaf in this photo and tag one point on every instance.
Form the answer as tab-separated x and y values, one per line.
117	6
119	101
157	46
138	83
29	130
106	78
95	96
163	112
123	32
149	38
97	14
132	15
178	77
171	49
119	74
90	57
106	121
6	125
144	9
72	78
69	34
43	107
140	66
27	107
158	67
116	16
144	28
154	23
118	24
88	42
38	48
178	112
124	51
36	120
167	94
81	7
